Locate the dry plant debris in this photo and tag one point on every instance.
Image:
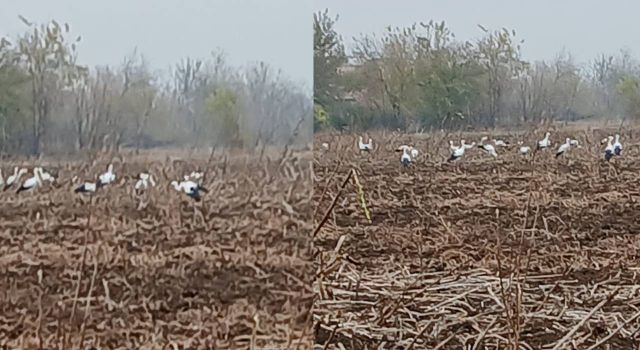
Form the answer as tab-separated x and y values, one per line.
159	271
512	253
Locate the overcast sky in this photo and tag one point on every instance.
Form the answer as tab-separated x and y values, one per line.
586	28
278	32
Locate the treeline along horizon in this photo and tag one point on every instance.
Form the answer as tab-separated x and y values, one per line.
51	103
421	76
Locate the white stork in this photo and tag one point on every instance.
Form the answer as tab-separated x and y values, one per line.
189	187
609	151
563	148
524	150
500	143
87	187
108	177
487	147
32	182
617	146
412	150
406	158
46	176
365	146
12	179
459	151
545	142
144	179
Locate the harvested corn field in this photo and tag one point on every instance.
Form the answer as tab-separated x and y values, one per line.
521	251
158	270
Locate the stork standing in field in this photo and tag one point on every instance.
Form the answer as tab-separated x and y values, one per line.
545	142
87	187
575	143
500	143
12	179
46	176
524	150
489	149
32	182
189	187
143	182
412	150
564	148
365	146
406	158
108	177
609	150
458	152
617	146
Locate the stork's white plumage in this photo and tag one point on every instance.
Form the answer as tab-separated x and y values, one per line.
545	142
489	149
604	140
325	146
459	151
467	146
32	182
108	177
87	187
452	146
144	180
575	143
617	146
406	158
609	151
13	179
365	146
413	152
500	143
563	148
46	176
524	150
191	188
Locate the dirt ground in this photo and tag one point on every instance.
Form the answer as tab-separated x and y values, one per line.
159	271
514	252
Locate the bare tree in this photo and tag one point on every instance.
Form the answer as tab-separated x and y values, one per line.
50	64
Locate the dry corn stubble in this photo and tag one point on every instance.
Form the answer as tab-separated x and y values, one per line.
159	270
483	254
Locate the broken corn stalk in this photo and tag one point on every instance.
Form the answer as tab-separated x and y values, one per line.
363	202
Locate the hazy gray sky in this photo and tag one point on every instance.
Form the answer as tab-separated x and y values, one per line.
278	32
586	28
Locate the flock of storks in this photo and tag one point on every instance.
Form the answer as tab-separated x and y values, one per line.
191	185
409	152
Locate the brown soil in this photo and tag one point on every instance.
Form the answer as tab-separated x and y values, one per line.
160	271
482	254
